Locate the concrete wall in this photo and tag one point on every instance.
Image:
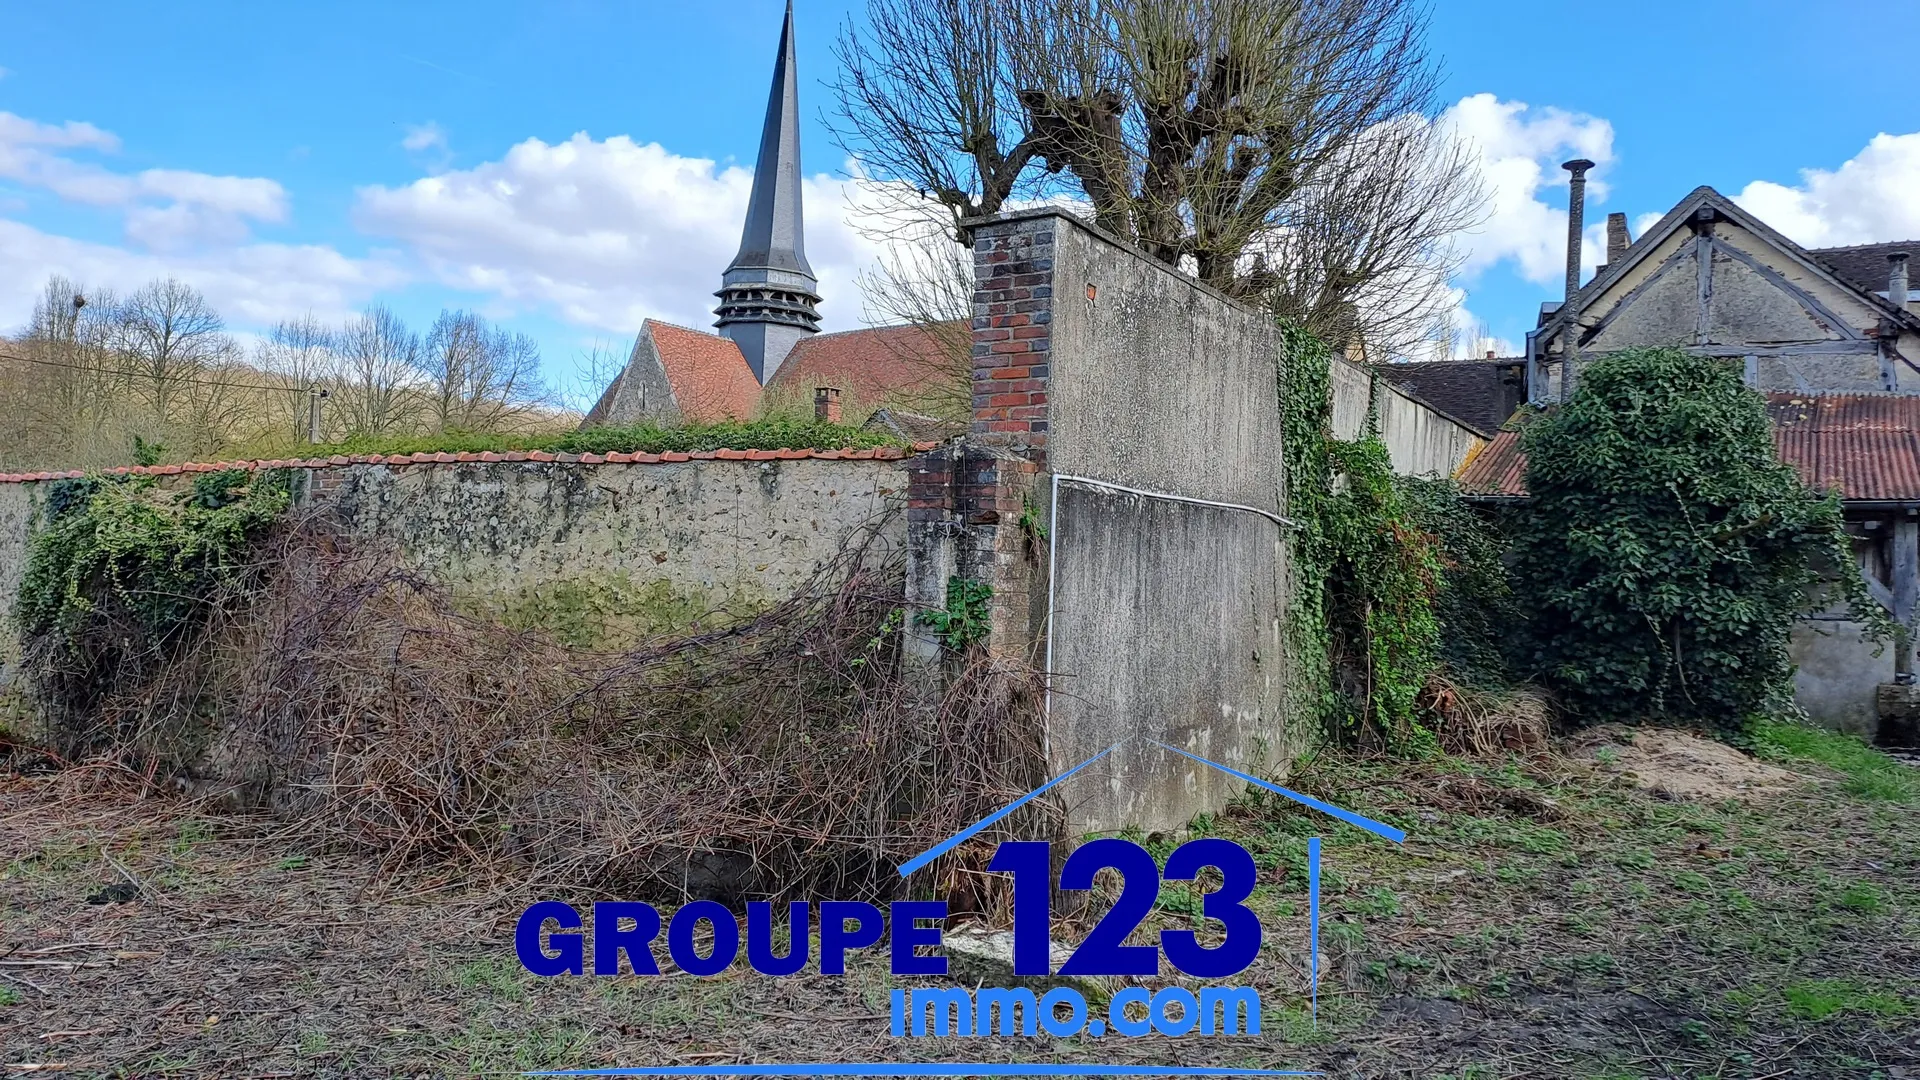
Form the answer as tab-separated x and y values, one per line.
1838	674
1420	441
1165	616
19	506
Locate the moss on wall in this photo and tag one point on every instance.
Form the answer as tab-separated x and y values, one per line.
611	610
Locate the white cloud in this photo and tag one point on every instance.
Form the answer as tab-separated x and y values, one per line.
606	233
427	136
250	284
1520	148
191	225
19	131
1869	198
166	208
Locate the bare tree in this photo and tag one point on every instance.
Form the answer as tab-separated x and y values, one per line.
68	391
168	336
303	352
480	376
925	281
1274	148
595	368
379	367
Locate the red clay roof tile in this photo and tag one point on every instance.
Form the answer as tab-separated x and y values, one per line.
875	364
1864	446
710	379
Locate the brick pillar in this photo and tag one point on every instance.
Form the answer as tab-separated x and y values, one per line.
964	505
1012	333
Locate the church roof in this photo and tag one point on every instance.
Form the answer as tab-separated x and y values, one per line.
878	362
710	379
774	235
1866	447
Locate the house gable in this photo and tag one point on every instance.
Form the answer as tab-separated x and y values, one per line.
1712	278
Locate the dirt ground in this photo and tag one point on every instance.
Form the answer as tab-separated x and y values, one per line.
1562	917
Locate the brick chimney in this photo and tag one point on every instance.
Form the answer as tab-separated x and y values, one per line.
1576	218
1618	238
826	404
1897	279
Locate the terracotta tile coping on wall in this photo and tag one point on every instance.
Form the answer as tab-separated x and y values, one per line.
884	453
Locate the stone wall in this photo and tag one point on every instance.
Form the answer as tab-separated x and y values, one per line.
706	533
736	535
1838	673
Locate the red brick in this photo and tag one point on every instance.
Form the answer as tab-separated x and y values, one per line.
1031	332
1008	399
1005	347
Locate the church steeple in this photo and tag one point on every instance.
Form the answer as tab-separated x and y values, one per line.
768	293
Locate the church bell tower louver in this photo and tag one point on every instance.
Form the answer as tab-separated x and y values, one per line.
768	294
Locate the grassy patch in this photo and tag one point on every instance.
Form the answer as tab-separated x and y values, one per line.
1870	774
1818	999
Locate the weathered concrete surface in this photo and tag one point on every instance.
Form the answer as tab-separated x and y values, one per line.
1166	625
1420	441
742	533
1838	675
1165	615
19	507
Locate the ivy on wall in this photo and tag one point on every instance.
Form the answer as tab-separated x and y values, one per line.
119	574
1364	629
1667	552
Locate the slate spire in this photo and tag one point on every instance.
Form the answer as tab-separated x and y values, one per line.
768	294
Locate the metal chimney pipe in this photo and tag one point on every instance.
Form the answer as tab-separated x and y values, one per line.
1576	218
1897	279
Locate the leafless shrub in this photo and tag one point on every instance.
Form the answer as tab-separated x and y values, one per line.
789	753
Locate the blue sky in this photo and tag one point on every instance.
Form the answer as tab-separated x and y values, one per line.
288	158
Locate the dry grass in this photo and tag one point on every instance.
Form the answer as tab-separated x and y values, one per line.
1488	723
791	752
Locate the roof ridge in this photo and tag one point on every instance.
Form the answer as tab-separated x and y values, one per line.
889	326
1857	247
688	329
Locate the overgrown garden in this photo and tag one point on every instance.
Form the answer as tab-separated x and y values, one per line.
1654	575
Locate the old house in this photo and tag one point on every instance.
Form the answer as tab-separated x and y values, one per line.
768	349
1832	338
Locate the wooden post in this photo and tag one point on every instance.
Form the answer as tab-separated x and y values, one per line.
1906	583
